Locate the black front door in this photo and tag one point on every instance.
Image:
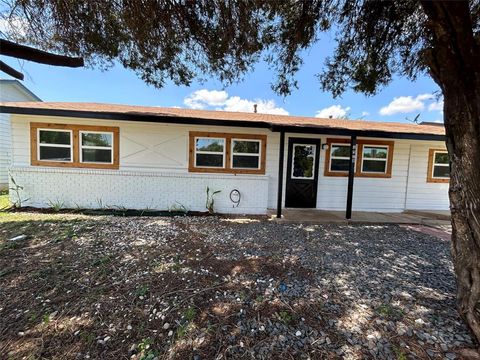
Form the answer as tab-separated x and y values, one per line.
302	173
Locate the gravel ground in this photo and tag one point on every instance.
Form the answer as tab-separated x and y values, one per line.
223	288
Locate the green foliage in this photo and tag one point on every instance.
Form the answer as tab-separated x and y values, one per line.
389	311
286	317
16	189
56	205
142	291
210	202
189	314
400	355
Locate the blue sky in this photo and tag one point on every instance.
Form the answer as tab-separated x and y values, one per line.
400	101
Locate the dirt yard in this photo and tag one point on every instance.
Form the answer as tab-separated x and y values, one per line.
104	287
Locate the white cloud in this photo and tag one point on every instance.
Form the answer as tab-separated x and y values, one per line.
404	105
334	111
220	100
365	113
13	26
436	106
423	97
203	98
409	104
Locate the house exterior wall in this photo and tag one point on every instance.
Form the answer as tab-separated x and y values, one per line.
154	174
8	92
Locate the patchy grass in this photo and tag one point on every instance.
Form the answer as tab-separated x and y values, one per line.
4	201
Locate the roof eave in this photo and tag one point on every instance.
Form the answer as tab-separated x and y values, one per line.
133	116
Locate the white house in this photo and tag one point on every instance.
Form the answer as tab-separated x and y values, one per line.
101	155
10	90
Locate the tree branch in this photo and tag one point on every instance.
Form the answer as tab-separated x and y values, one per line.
10	71
18	51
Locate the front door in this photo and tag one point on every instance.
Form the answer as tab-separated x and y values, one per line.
302	173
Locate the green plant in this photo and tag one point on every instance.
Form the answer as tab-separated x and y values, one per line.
56	205
142	291
182	330
210	200
16	188
390	311
189	314
88	337
178	207
399	353
286	317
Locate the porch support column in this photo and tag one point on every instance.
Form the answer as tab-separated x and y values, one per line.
351	176
281	154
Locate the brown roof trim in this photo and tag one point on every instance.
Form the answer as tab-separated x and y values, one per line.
265	123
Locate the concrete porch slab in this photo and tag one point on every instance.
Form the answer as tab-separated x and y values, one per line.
314	216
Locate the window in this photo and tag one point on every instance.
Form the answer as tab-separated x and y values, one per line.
339	158
96	147
373	159
303	164
55	145
227	153
209	152
66	145
438	166
246	154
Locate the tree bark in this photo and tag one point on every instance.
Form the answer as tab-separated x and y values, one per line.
454	64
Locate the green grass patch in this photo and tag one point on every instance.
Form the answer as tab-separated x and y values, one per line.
390	312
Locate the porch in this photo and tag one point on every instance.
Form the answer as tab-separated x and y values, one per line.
315	216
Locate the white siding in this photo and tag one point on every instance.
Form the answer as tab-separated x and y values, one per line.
8	92
154	173
422	195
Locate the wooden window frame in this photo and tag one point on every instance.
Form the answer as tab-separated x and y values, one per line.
75	129
431	159
228	137
359	158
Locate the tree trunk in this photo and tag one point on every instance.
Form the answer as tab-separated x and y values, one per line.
454	63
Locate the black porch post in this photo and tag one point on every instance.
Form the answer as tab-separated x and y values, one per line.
280	174
351	176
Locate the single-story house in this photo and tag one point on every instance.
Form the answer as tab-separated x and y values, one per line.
10	90
93	155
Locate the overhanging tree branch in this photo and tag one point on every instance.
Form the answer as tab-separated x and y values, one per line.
10	71
9	48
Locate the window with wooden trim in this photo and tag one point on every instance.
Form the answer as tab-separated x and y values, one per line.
374	158
438	166
227	153
66	145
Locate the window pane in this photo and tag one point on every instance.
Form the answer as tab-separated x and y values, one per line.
374	166
303	161
249	147
340	151
441	171
96	155
209	160
55	153
375	152
54	137
215	145
93	139
249	162
339	165
441	158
